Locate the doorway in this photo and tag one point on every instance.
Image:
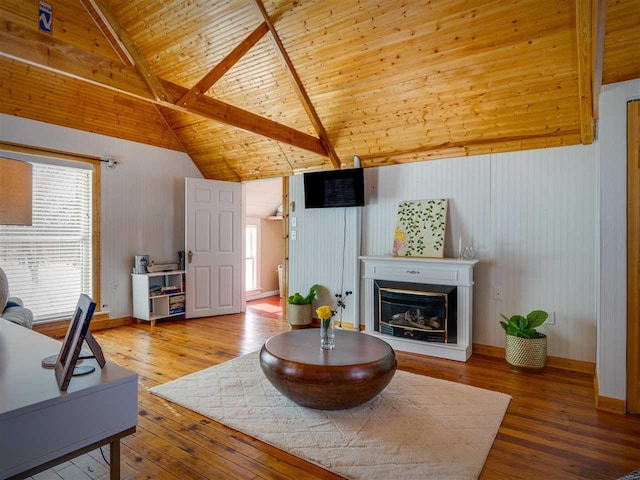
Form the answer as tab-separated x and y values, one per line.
264	246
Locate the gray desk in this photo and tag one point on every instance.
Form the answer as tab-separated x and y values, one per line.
40	426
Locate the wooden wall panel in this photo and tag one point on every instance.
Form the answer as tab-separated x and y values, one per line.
386	80
258	83
183	41
394	82
622	41
34	93
71	24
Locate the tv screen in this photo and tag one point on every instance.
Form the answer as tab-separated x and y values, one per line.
335	188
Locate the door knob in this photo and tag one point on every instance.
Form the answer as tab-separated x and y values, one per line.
190	255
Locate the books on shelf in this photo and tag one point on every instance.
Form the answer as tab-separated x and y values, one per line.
170	289
176	304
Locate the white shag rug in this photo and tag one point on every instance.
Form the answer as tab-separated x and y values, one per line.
417	428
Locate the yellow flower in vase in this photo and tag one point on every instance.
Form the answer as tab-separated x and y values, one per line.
325	314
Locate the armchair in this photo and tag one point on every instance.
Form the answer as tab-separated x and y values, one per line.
11	308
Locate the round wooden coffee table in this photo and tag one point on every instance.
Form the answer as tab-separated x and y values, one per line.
355	371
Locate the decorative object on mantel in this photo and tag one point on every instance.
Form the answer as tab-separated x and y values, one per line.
525	348
420	228
327	334
299	312
469	253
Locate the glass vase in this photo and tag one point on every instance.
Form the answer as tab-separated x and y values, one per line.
327	334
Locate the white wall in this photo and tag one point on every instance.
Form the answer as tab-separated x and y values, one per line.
611	363
142	199
316	255
530	216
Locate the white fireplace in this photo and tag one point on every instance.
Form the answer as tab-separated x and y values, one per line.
425	271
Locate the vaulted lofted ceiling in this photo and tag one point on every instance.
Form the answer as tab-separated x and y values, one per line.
265	88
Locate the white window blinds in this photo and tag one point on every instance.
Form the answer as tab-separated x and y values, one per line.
49	263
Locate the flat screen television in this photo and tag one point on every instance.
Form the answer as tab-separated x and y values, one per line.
334	188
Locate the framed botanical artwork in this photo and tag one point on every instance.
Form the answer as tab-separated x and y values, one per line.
420	228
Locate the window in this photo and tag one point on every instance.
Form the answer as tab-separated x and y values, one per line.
251	257
49	264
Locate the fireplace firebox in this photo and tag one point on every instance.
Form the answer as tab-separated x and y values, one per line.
450	279
416	311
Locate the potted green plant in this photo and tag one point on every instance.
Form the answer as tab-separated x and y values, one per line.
525	348
299	312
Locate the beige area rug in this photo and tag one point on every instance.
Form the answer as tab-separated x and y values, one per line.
417	428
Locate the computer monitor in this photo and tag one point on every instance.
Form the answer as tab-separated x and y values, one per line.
70	351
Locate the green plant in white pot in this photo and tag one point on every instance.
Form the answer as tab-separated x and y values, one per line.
525	348
299	311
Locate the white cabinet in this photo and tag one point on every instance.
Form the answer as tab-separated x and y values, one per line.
158	295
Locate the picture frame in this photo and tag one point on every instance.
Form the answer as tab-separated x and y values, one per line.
140	263
73	340
420	228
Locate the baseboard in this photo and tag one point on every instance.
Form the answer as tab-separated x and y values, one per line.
99	321
608	404
553	362
258	296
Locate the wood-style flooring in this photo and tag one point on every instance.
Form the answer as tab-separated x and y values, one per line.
551	430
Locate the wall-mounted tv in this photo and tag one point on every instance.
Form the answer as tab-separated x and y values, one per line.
334	188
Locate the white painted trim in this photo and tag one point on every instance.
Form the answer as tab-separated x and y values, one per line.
270	293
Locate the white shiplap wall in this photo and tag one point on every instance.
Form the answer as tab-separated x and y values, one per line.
543	255
530	216
611	363
142	199
316	254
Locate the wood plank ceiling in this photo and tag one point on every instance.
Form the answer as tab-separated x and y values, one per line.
256	90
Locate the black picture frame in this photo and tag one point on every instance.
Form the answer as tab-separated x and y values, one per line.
73	340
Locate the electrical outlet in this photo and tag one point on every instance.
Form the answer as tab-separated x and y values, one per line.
497	293
115	286
551	320
294	235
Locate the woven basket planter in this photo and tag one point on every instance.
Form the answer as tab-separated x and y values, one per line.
526	354
299	316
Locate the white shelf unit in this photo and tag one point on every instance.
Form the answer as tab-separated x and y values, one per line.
149	305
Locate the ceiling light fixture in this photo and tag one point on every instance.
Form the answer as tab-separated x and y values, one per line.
356	161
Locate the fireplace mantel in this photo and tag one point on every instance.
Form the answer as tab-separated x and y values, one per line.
445	271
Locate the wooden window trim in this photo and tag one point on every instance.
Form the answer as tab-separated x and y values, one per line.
95	199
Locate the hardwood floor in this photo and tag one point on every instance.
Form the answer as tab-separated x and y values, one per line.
551	430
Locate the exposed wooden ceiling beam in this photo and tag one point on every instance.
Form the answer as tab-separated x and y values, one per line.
131	50
46	52
108	32
297	84
250	122
599	23
223	67
584	25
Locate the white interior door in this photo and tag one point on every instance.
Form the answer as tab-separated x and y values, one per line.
214	247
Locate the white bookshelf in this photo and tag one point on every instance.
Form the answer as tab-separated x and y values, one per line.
158	295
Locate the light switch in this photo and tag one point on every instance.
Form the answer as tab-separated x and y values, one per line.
293	235
294	221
